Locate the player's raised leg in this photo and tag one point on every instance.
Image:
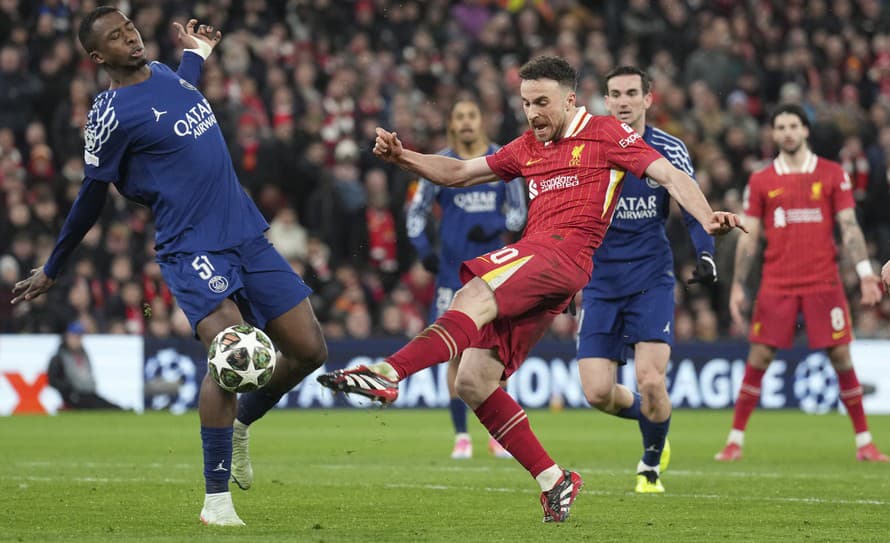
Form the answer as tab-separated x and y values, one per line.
478	383
454	331
851	397
298	336
216	409
278	299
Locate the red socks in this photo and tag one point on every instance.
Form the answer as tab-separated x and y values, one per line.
439	342
851	396
508	424
749	395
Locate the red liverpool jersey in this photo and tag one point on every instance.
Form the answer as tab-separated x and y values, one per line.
797	210
574	182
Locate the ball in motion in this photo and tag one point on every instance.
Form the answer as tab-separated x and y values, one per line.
241	358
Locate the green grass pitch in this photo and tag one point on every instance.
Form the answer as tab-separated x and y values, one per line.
385	475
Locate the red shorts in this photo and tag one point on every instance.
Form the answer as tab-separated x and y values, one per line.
826	314
532	283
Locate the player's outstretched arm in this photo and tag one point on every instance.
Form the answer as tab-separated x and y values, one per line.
441	170
854	244
745	255
686	192
83	215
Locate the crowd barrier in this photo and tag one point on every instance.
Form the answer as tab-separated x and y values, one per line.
153	374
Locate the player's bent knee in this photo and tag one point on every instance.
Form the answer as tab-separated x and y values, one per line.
472	391
307	359
599	397
652	388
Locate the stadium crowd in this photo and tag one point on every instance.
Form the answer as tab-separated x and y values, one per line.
299	85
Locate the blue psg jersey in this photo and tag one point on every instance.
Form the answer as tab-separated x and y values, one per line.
496	207
635	254
159	142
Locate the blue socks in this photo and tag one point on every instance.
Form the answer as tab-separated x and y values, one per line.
217	444
458	415
654	434
253	405
632	412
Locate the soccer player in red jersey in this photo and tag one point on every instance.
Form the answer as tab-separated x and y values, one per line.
574	164
796	202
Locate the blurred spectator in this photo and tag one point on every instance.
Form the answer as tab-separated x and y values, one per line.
71	373
19	90
288	235
381	225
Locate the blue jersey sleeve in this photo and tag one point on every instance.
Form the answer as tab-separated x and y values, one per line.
418	214
517	211
105	141
81	218
675	151
190	67
703	242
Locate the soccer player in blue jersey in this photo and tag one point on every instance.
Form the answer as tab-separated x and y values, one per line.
472	223
153	135
629	301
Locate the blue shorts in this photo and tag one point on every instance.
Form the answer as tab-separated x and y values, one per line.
253	275
610	327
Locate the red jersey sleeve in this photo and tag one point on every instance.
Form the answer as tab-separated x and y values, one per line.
841	190
753	199
505	162
624	148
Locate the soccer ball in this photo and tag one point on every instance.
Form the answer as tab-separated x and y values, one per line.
241	358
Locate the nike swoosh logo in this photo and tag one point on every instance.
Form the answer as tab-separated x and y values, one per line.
533	161
774	193
838	335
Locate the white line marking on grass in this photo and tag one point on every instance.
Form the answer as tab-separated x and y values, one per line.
103	480
622	472
102	465
814	501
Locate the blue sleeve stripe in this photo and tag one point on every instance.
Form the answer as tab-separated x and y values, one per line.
420	208
673	149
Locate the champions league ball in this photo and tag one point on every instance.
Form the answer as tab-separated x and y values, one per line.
241	358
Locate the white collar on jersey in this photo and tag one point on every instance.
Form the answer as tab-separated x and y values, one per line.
578	122
808	166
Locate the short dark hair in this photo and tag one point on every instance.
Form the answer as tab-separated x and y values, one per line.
85	32
790	109
547	67
645	81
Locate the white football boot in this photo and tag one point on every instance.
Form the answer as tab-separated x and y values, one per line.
219	510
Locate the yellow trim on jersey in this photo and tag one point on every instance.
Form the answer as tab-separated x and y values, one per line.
615	177
498	276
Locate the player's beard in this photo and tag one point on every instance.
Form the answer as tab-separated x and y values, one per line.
467	138
793	148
